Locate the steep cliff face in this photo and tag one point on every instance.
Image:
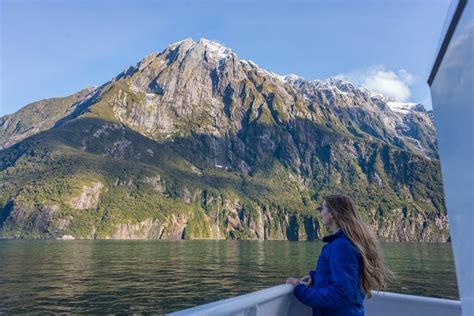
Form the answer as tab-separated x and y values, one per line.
230	221
194	143
88	198
402	226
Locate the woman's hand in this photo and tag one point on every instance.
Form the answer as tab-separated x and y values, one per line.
307	279
293	281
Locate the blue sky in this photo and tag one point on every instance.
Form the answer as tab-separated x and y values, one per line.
55	48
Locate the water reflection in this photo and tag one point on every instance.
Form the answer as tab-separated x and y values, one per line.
163	276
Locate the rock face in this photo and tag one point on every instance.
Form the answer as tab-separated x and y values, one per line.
193	142
148	229
398	226
88	198
405	125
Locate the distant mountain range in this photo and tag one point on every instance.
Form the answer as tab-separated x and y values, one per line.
193	143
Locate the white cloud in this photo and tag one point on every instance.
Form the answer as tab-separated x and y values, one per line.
406	76
392	84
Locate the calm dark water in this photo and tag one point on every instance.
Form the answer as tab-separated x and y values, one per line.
164	276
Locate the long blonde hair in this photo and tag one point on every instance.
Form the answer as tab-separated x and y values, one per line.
375	273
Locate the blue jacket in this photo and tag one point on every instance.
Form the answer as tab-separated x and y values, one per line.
335	289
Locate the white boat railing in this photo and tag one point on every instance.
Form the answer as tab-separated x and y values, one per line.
279	301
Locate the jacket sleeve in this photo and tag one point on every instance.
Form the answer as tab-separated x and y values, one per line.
344	267
313	279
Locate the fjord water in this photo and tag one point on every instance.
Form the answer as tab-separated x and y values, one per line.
84	276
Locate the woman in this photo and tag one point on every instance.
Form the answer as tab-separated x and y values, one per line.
350	264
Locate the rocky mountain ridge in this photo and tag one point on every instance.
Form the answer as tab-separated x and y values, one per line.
205	145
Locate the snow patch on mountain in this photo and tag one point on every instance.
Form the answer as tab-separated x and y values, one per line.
402	107
214	49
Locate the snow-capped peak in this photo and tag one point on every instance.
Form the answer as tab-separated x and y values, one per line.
332	82
263	70
214	49
293	78
180	42
218	52
402	107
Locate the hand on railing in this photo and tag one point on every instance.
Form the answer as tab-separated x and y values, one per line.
307	280
294	281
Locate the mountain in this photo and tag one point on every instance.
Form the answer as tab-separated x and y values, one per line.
37	117
193	142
